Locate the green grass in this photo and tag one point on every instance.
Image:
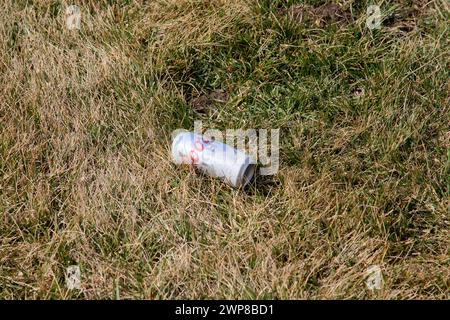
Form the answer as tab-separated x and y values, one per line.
86	178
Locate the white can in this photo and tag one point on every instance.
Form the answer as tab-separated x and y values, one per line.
213	157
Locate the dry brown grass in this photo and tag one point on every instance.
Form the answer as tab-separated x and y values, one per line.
85	176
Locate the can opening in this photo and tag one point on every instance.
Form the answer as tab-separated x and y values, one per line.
248	174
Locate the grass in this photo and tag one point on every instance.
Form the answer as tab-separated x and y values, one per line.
86	178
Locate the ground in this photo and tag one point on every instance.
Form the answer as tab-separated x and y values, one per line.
86	117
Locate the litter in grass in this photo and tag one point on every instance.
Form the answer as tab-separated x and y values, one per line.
374	279
213	157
